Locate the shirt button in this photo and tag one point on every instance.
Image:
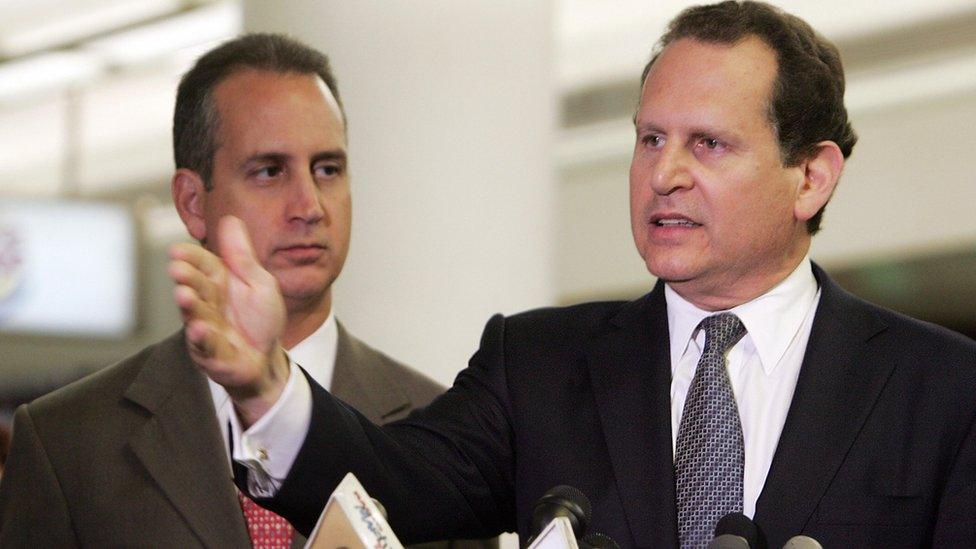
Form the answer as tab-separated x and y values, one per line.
262	454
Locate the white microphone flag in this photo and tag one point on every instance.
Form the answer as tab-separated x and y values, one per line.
352	520
558	534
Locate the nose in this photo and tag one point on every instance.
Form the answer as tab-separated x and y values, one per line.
671	170
305	201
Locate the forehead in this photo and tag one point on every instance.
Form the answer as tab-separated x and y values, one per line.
265	104
707	76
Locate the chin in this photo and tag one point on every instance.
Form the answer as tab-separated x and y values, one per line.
304	288
670	267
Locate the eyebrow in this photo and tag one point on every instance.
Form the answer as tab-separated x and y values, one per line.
647	127
283	158
332	154
697	131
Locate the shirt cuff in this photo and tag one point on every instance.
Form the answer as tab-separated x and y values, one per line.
269	447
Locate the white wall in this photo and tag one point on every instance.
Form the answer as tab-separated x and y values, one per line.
909	186
451	114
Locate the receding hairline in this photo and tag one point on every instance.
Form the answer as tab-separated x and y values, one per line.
770	92
213	104
243	70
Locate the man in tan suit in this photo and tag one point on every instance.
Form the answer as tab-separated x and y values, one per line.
139	453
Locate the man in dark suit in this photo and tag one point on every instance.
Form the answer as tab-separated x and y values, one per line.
135	454
745	381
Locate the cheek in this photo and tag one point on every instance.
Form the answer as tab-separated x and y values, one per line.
339	209
638	192
637	206
260	223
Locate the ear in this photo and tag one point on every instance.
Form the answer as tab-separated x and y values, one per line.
820	175
190	198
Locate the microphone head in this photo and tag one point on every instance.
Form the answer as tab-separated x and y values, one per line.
802	542
382	509
737	524
728	541
562	501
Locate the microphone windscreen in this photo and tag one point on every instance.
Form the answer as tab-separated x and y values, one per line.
382	509
728	541
562	501
737	524
597	540
802	542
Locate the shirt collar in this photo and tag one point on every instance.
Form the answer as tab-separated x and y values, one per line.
316	353
772	319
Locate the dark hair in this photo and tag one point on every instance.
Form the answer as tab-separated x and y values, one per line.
195	120
807	103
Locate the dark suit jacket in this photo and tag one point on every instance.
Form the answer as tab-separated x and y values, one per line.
878	448
133	456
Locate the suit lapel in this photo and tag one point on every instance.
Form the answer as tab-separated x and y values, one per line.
835	392
631	376
359	380
180	445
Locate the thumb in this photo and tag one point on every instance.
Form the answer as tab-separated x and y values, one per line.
234	246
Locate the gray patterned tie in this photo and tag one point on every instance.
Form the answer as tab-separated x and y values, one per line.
710	452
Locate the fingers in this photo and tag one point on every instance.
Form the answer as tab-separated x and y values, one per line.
196	256
185	274
200	340
234	246
200	282
225	358
233	312
209	344
211	347
192	306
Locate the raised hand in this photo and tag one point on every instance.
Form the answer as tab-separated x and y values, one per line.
234	317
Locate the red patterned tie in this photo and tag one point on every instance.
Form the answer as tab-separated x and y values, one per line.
266	529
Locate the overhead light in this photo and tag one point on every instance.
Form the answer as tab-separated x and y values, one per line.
47	72
48	25
148	42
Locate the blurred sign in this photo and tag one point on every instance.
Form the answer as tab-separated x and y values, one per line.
66	268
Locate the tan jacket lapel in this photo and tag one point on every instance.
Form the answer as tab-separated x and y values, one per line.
359	379
180	445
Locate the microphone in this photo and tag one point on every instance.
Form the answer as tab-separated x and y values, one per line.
353	520
561	502
802	542
737	531
597	540
380	508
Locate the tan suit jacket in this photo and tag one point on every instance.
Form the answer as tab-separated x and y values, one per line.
132	456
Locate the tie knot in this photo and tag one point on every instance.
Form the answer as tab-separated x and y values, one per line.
722	331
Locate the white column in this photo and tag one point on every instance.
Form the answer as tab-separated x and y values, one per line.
451	123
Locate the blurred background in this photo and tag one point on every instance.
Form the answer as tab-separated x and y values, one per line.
490	142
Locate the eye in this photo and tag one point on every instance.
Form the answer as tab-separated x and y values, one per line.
652	140
710	143
327	170
268	172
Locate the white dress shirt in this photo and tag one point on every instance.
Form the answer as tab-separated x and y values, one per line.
269	447
763	366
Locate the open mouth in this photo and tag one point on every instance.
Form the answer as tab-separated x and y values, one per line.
672	220
676	223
